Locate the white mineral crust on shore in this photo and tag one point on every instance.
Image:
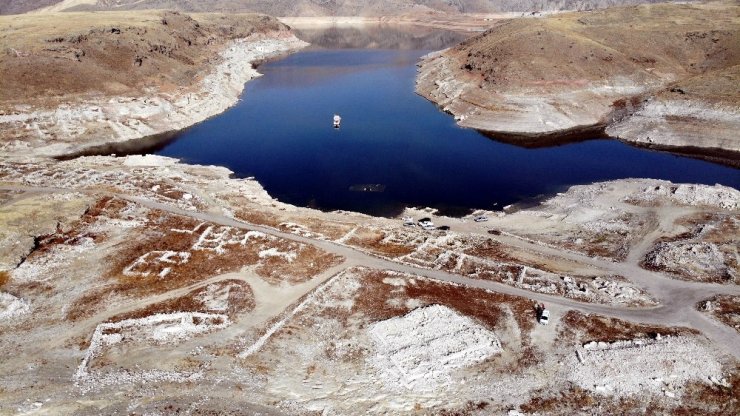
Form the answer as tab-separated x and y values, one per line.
120	119
421	349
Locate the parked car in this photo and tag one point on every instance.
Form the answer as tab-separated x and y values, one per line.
480	218
426	223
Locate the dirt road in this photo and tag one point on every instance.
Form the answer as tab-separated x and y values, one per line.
677	298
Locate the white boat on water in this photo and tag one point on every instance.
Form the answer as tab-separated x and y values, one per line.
337	121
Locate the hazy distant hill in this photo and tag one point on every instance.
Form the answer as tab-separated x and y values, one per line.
318	7
16	7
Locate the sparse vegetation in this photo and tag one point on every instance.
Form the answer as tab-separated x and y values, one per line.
725	308
578	327
155	276
258	217
239	299
115	52
707	252
4	278
491	250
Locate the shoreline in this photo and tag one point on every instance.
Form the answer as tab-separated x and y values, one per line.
574	73
463	23
115	121
547	122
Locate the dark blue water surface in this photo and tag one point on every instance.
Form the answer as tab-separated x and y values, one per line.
281	133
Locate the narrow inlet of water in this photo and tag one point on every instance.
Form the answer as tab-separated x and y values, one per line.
394	149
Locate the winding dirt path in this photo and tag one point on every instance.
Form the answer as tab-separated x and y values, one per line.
678	298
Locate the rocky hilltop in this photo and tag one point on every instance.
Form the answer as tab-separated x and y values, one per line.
656	75
74	80
318	7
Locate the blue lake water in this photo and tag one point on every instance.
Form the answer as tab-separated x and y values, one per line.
281	133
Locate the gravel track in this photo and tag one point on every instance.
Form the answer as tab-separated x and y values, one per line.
678	298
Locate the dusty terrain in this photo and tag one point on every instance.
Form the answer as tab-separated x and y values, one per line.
318	8
724	308
71	82
144	284
662	76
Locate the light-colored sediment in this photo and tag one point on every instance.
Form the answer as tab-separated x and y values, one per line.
701	113
669	82
74	127
527	112
319	334
142	284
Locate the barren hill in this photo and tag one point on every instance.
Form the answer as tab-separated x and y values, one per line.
72	78
319	7
673	69
53	55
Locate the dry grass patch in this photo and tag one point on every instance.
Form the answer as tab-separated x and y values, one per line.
110	207
33	288
696	399
576	327
4	278
258	217
332	230
710	399
372	300
309	262
375	242
116	53
725	308
239	299
89	303
176	251
291	262
470	408
566	400
490	250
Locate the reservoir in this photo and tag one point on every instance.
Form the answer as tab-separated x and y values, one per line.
394	149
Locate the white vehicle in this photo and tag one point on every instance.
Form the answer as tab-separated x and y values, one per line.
426	224
544	317
337	121
480	218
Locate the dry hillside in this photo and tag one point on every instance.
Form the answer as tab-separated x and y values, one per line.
580	71
319	7
47	56
72	81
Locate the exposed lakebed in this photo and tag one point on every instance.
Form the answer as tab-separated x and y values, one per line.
394	148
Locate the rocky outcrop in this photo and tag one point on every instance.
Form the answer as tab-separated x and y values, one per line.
666	83
524	116
699	116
